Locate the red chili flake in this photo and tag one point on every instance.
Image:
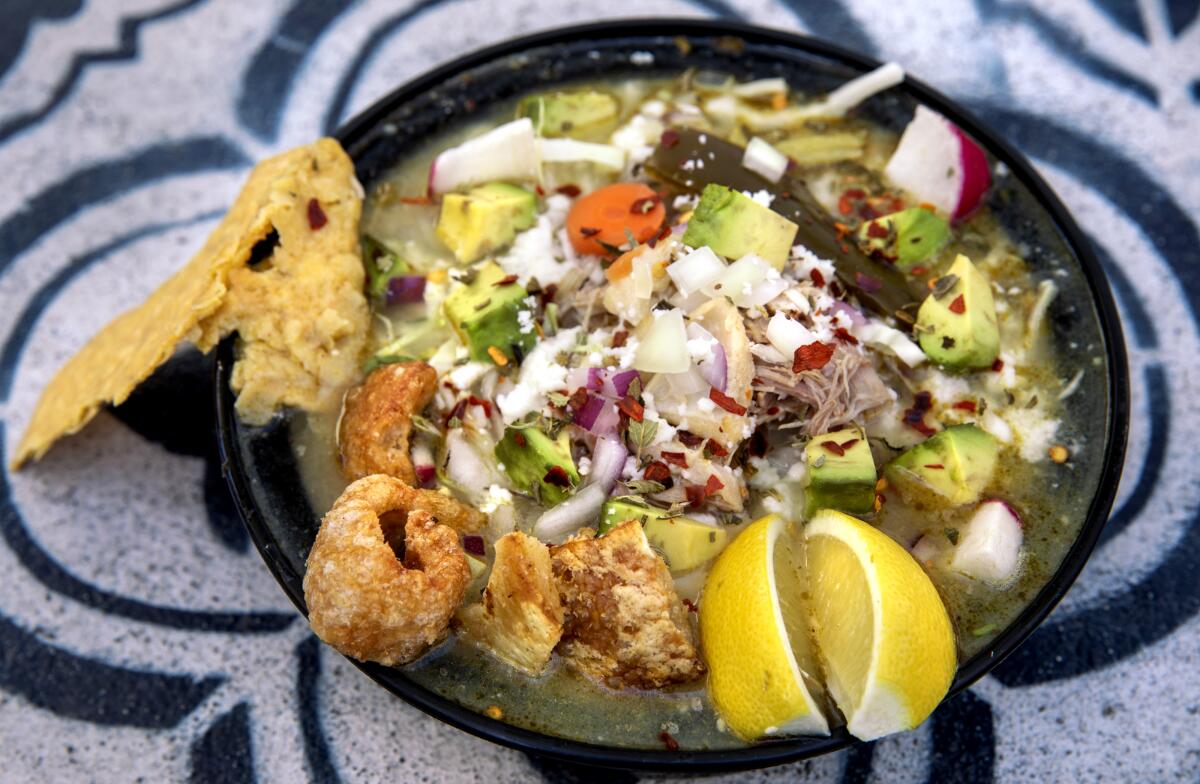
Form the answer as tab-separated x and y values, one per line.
619	338
998	365
519	437
587	231
835	289
841	229
817	278
449	385
557	476
657	471
669	741
877	230
507	280
539	190
473	544
847	199
644	205
915	417
868	283
773	410
578	399
631	408
548	293
843	335
725	401
669	138
844	248
966	405
847	444
715	449
958	305
690	605
569	190
713	485
834	447
675	458
690	440
486	405
316	215
695	495
812	356
934	465
457	412
918	271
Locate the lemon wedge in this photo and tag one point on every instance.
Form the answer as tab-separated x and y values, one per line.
883	635
756	646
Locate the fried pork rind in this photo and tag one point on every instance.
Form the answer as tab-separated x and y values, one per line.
520	618
303	322
624	623
377	420
361	598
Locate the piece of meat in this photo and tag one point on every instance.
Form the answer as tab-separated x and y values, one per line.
377	420
623	623
520	618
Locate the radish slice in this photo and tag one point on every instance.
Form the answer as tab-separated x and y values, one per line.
571	150
939	164
508	152
763	159
990	548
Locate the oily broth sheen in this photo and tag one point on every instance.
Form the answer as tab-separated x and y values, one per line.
563	703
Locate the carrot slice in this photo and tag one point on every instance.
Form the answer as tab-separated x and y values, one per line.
604	215
623	265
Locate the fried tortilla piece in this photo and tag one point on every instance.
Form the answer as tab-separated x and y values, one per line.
326	331
624	624
301	314
377	419
520	618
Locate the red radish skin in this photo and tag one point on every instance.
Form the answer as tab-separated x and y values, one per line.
940	165
976	176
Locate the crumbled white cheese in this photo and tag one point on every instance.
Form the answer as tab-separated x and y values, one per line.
535	254
705	404
525	321
584	466
496	497
1034	431
763	197
464	376
540	373
701	348
642	58
638	137
685	202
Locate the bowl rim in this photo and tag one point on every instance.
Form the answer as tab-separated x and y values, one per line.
787	749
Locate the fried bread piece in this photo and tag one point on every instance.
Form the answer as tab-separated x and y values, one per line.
520	618
377	420
624	623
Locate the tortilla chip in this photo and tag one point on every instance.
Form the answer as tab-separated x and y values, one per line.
188	306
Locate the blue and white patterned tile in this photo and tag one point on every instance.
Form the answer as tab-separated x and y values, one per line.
142	639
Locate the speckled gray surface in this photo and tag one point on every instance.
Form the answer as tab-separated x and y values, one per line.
141	638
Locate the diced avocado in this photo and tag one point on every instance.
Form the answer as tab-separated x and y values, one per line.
956	325
477	566
684	543
907	237
484	219
951	468
381	264
485	315
570	113
841	473
733	224
539	464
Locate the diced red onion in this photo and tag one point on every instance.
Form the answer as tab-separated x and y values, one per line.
867	282
473	544
622	380
715	370
425	475
587	415
406	290
852	313
595	379
607	421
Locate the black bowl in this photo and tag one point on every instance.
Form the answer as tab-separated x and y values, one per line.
259	464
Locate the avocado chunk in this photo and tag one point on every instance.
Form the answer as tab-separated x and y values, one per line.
733	224
381	264
956	325
477	566
683	542
486	315
841	473
580	113
538	464
484	219
951	468
906	238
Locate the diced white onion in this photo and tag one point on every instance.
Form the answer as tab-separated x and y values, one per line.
663	346
763	159
579	510
787	335
879	335
855	91
761	88
507	152
750	281
696	271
